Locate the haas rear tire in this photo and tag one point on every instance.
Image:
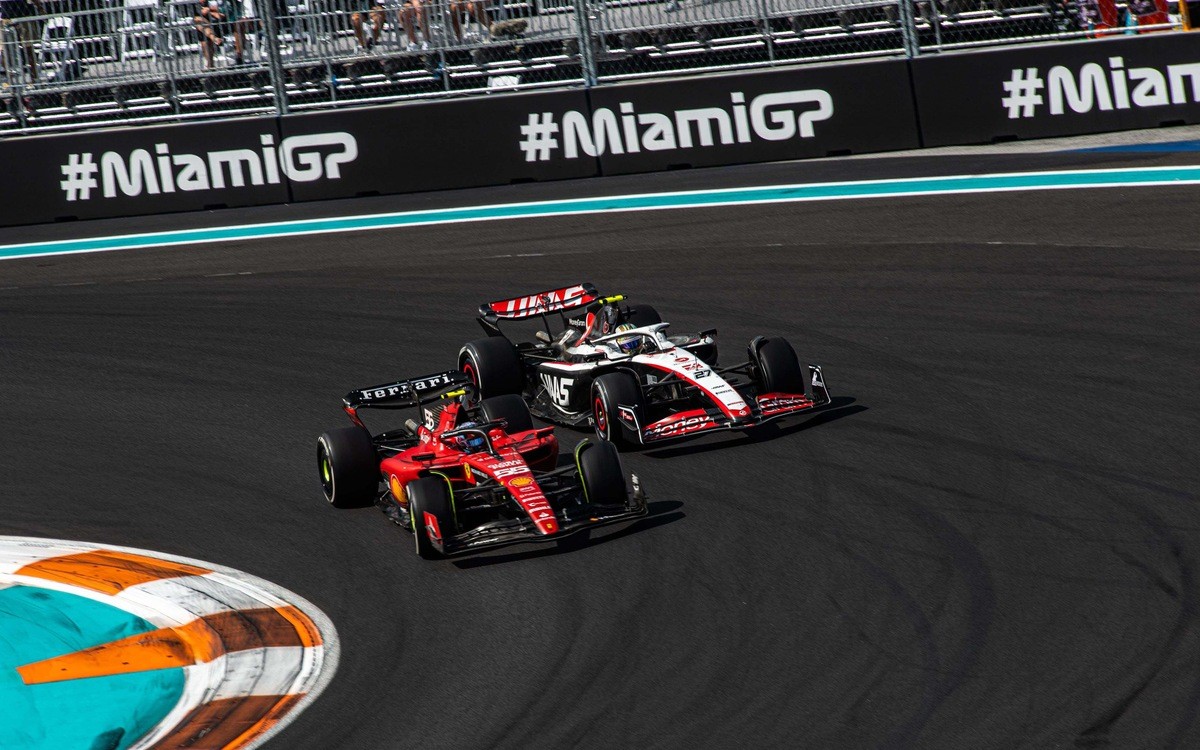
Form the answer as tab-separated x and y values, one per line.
430	495
348	467
493	365
601	473
779	369
608	391
509	407
642	315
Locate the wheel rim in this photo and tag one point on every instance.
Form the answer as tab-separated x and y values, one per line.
469	369
600	414
326	471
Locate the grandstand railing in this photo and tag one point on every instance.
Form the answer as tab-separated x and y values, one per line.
70	64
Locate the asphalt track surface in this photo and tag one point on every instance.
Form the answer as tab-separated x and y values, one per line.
989	542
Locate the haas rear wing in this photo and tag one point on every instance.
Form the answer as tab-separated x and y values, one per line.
552	300
404	393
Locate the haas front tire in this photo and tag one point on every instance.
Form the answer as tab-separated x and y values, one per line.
348	467
432	515
779	369
609	391
493	365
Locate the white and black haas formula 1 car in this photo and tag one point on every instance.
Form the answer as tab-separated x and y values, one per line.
613	366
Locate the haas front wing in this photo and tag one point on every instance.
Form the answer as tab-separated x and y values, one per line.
763	408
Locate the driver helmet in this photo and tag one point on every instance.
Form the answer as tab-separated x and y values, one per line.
472	442
627	344
608	318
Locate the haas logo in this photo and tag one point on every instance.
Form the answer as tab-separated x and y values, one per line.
558	388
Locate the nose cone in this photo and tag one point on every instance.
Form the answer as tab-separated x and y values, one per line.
528	495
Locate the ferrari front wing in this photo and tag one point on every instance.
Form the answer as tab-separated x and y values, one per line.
571	519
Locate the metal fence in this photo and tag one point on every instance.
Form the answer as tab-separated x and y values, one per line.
69	64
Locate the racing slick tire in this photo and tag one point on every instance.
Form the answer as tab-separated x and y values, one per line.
608	391
509	407
429	495
493	365
642	315
779	369
348	467
601	473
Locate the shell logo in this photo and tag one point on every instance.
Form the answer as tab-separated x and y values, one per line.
521	482
397	490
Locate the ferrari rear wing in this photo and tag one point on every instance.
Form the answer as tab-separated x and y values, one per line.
405	394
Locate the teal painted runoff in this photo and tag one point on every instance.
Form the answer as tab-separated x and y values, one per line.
97	713
736	196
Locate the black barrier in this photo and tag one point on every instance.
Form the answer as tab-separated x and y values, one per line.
490	140
134	171
750	117
1037	91
1074	88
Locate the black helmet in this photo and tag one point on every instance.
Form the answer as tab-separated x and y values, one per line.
607	319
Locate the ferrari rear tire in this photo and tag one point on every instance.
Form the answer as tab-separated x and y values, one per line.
602	475
493	365
779	369
509	407
430	495
609	391
348	467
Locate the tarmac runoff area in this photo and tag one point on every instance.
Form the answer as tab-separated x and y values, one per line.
110	648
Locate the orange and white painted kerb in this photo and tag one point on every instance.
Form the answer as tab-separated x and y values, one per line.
253	654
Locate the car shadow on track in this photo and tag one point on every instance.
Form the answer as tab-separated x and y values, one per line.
839	407
661	513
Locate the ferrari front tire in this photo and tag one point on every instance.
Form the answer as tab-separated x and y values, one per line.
602	475
430	496
348	467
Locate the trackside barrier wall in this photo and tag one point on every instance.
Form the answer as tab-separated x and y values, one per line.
960	98
136	171
408	148
1072	88
740	119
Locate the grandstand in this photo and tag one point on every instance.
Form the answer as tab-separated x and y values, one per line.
71	64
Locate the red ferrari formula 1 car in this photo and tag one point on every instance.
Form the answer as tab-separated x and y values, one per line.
471	477
613	366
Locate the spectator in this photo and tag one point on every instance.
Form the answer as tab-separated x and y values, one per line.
471	9
18	15
376	11
215	21
409	14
